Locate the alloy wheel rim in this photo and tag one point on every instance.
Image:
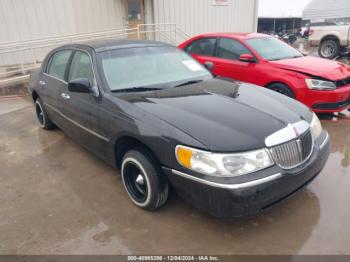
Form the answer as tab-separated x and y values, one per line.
135	182
328	50
40	114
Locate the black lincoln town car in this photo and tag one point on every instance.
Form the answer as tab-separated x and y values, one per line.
147	108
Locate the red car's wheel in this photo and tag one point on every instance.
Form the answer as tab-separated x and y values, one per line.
282	89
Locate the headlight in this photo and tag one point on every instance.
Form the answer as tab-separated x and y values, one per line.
223	164
320	85
316	127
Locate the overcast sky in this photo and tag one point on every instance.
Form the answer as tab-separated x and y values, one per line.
282	8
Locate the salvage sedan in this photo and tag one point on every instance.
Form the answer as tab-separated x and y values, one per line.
147	108
322	85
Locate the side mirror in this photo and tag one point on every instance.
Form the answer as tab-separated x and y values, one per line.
209	65
81	85
248	58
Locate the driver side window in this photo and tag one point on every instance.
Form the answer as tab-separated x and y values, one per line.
230	49
81	67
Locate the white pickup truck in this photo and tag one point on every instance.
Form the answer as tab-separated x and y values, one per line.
331	39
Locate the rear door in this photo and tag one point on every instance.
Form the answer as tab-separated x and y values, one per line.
52	81
202	50
82	110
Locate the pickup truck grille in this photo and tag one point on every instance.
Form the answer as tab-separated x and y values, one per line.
295	152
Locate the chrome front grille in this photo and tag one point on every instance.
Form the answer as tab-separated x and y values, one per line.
295	152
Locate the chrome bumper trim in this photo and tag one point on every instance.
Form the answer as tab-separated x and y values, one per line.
325	141
229	186
289	133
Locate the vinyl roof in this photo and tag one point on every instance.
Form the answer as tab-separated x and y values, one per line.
103	45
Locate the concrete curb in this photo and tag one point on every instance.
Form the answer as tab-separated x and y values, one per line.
17	89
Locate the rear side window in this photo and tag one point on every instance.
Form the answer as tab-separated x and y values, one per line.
81	67
58	63
205	47
230	49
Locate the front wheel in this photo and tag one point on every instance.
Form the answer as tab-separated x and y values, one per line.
282	89
329	49
143	180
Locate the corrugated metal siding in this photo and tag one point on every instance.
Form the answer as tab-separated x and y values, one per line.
32	19
327	9
201	16
149	12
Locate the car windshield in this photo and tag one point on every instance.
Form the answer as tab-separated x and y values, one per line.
271	48
150	67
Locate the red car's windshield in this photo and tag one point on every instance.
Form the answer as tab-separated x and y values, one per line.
270	48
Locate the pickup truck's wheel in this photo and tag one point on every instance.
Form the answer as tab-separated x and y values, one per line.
282	89
329	49
143	180
43	118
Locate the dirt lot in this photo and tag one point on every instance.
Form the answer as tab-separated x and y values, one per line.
56	198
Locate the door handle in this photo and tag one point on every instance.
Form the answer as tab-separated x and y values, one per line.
42	83
65	96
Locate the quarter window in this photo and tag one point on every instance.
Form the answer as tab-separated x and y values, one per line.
81	67
58	63
230	49
205	47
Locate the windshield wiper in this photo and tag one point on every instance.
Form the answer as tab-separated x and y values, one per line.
135	89
276	59
189	83
288	57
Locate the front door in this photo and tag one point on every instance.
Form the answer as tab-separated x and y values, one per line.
227	61
135	15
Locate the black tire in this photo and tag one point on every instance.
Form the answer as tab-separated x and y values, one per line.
282	89
329	49
143	180
43	118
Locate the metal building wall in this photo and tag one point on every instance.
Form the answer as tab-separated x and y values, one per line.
32	19
201	16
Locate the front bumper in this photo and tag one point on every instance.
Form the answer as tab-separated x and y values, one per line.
332	106
326	101
225	198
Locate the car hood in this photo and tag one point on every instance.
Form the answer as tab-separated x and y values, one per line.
315	66
224	116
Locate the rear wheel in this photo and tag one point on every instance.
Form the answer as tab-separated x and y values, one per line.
143	180
282	89
329	49
43	118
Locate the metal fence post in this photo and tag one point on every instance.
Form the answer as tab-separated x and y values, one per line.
20	60
138	32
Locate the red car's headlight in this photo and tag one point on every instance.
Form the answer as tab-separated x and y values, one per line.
320	84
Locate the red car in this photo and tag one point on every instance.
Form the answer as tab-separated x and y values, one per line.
321	84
